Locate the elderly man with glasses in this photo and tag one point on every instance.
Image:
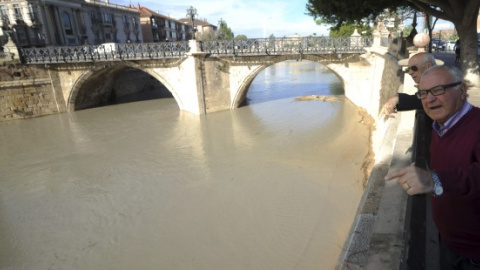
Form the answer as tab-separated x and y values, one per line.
417	64
453	176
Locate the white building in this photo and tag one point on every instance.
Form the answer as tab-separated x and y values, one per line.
37	23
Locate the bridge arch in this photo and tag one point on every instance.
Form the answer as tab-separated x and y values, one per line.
97	84
239	94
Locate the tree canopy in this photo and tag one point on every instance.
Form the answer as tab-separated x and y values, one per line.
462	13
347	29
337	13
224	32
240	37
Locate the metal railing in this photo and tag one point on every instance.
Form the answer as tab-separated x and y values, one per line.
162	50
105	52
421	238
300	45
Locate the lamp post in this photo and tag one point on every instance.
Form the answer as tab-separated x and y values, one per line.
192	12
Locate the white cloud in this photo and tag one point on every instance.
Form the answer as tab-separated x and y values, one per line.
253	18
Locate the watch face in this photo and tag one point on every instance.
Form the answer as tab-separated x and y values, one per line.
438	190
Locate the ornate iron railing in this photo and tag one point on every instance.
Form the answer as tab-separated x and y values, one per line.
163	50
300	45
105	52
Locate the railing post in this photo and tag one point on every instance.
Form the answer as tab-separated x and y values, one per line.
194	46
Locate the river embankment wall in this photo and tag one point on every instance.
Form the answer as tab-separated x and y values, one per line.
377	235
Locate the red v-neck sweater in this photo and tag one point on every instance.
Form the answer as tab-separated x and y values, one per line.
455	157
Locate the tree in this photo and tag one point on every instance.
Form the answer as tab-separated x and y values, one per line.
348	28
463	14
240	37
207	35
407	30
224	32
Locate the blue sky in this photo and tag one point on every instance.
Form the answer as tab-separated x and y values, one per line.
253	18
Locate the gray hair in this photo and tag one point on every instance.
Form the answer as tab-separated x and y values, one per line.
428	57
452	70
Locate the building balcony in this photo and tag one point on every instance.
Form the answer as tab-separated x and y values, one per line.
107	22
19	19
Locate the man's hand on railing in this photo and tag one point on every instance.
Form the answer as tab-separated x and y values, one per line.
389	108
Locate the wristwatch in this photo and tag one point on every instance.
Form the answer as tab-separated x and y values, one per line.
437	185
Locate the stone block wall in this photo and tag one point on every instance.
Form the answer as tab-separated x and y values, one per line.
217	78
30	98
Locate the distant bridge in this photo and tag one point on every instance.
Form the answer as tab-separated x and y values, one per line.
168	50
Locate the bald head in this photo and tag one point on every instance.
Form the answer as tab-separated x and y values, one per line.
418	63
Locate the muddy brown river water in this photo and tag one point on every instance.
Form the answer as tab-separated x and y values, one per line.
272	185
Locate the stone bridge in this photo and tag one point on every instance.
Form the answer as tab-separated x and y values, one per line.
206	79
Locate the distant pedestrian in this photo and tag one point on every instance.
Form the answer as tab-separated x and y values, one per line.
457	51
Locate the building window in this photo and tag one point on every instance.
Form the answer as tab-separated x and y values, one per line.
18	12
67	23
32	13
94	17
134	23
4	14
107	18
21	35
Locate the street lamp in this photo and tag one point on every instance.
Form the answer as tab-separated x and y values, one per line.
192	12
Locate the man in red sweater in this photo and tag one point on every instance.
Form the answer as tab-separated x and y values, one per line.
454	173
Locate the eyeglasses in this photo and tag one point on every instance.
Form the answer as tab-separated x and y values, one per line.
436	91
413	68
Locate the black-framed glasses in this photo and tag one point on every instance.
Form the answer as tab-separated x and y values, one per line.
413	68
436	91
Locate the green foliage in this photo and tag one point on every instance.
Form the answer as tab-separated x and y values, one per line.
337	13
453	37
209	35
407	30
240	37
224	32
348	28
